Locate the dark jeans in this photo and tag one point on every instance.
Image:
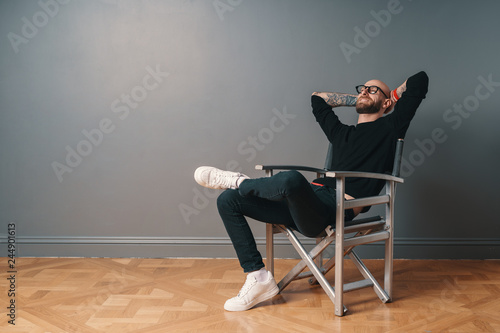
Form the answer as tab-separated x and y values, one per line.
286	198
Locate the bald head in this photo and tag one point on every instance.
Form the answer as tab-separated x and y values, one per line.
381	85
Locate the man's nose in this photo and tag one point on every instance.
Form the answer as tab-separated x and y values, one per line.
364	91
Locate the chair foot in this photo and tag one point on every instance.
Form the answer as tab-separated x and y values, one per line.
344	311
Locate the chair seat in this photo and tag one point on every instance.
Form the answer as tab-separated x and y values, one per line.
355	225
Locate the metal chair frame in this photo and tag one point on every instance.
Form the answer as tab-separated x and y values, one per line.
365	230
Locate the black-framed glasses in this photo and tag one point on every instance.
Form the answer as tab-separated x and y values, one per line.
371	89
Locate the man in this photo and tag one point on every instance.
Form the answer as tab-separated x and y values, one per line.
288	198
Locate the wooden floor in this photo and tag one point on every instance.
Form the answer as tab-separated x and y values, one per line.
187	295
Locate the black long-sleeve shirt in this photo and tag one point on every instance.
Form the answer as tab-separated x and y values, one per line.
371	146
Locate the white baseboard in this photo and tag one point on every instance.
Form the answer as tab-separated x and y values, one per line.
221	247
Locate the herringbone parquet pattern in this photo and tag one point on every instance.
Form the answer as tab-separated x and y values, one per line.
187	295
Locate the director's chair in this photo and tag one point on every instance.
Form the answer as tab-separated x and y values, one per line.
346	235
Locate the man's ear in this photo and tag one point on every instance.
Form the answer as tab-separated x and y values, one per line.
389	106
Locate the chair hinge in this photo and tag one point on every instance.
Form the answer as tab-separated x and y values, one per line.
329	230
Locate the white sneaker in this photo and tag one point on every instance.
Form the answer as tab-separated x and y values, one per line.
218	179
252	293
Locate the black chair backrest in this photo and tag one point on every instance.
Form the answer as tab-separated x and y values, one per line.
396	169
329	158
397	158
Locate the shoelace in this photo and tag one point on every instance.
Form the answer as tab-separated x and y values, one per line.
249	283
224	180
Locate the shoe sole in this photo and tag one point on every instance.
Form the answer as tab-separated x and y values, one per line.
264	297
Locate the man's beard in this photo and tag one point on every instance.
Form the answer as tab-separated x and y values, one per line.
368	108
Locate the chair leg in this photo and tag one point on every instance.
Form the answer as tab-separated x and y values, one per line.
389	243
292	275
295	273
270	248
339	248
319	258
319	262
388	273
314	269
381	293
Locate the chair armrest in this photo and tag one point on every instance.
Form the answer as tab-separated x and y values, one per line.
333	174
290	167
357	174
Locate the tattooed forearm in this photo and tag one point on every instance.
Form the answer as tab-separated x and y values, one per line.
401	89
337	99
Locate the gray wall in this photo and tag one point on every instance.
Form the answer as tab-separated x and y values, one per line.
145	91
